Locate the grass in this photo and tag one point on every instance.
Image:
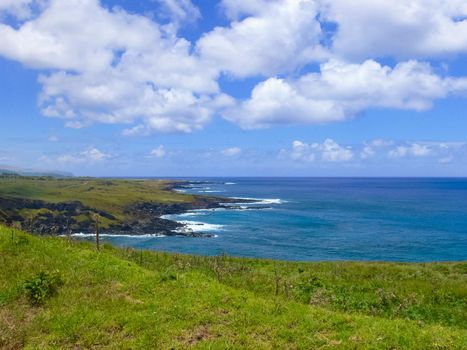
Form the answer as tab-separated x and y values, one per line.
129	299
109	195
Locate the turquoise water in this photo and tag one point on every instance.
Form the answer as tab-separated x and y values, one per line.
328	219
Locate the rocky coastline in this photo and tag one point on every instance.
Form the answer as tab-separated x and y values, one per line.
140	218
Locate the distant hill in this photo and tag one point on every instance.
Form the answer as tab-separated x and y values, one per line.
10	170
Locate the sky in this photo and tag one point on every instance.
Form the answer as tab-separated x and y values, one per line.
234	87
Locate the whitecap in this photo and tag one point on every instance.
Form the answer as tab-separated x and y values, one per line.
197	226
259	201
85	235
205	211
229	183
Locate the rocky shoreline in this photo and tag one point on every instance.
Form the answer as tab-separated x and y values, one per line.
141	218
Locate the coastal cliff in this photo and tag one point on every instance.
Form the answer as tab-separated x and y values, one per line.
51	206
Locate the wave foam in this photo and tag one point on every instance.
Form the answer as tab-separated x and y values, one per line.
197	226
85	235
260	200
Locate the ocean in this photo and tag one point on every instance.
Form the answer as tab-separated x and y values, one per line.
381	219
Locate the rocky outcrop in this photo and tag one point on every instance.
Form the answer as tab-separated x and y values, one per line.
140	218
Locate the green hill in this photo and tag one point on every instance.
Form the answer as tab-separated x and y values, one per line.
128	299
45	205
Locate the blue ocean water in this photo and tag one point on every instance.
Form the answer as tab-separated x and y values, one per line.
392	219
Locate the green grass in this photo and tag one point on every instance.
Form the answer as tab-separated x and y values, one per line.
109	195
128	299
112	196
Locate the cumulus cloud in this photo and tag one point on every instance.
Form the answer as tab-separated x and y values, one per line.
118	68
328	151
302	151
231	152
342	90
380	149
180	11
415	150
17	8
275	37
370	148
105	65
91	155
397	28
158	152
331	151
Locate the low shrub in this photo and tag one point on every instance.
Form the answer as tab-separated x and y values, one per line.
42	287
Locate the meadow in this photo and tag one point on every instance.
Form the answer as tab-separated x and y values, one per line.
119	298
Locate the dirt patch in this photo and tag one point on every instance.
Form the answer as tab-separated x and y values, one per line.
11	336
199	334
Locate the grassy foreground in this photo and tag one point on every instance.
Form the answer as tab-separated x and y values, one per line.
128	299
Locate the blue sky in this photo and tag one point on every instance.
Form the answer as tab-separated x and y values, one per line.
234	88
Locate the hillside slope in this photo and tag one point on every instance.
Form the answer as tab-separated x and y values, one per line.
127	299
45	205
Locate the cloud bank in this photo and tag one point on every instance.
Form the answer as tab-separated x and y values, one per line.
318	60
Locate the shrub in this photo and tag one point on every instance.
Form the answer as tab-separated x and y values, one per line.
42	286
168	276
307	286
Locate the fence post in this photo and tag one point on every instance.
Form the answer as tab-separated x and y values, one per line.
96	220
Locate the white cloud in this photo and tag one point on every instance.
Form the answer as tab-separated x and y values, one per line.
331	151
118	68
180	10
342	90
231	152
414	149
328	151
18	8
370	148
380	149
301	151
367	152
235	9
275	37
91	155
397	28
102	65
158	152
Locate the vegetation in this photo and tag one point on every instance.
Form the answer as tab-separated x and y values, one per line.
129	299
42	287
108	195
47	205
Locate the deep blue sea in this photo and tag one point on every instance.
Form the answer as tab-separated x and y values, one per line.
396	219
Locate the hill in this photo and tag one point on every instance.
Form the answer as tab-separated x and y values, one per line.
128	299
9	170
46	205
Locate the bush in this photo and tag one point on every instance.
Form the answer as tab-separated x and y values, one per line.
307	286
42	286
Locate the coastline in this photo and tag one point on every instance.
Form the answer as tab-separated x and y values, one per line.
136	218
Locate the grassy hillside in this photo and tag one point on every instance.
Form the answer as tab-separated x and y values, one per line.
127	299
46	205
107	195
